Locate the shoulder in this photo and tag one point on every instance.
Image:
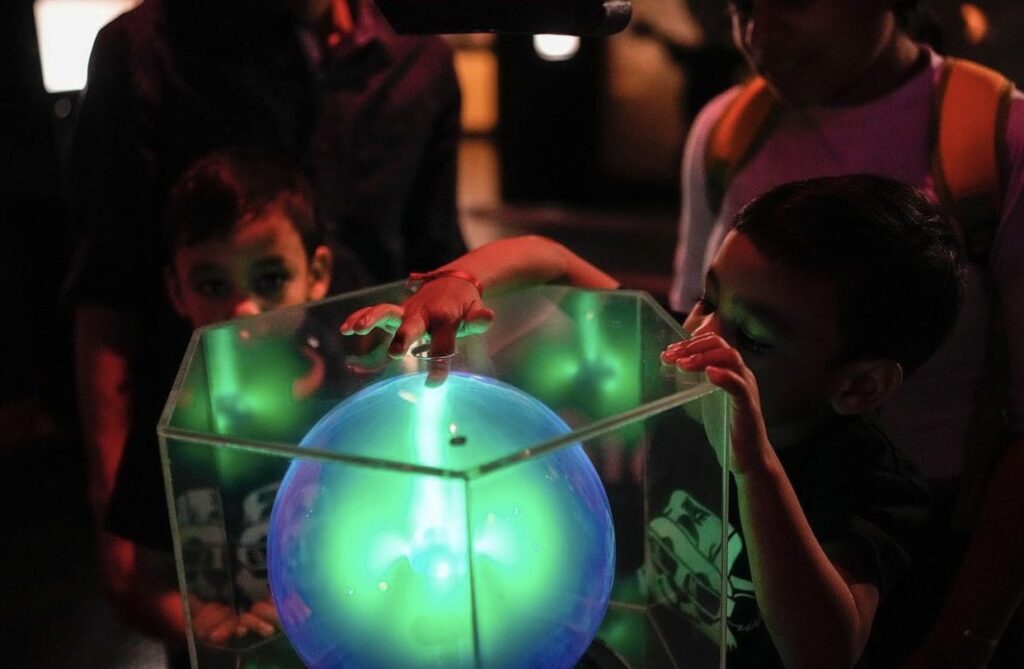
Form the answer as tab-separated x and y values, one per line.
864	500
710	114
855	461
127	52
860	443
136	29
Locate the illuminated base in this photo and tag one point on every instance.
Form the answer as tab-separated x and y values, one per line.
379	567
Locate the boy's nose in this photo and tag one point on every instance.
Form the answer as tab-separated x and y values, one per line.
246	306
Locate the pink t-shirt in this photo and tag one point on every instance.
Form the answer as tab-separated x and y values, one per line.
887	136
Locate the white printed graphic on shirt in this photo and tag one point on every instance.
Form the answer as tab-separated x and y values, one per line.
205	544
683	569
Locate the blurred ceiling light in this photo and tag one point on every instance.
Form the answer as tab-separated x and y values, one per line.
975	23
66	30
556	47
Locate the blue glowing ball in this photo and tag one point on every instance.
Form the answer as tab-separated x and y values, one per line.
427	554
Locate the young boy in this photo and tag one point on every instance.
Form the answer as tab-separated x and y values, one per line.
842	88
824	296
241	238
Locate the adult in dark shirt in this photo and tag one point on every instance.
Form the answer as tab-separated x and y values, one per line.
372	116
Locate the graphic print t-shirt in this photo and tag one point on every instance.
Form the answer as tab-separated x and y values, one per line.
863	501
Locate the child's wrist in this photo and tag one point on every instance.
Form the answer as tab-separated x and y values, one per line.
416	280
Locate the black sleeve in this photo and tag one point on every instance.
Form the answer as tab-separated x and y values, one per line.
867	504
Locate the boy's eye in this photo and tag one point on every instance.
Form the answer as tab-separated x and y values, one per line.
746	342
211	287
270	283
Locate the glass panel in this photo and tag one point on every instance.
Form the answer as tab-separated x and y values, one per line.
221	503
690	537
481	523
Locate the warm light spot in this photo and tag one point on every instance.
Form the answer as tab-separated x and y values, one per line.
477	70
975	23
383	586
556	47
66	30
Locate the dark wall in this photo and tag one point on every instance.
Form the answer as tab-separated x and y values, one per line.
34	245
549	124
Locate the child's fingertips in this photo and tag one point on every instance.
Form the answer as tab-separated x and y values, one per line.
689	361
717	376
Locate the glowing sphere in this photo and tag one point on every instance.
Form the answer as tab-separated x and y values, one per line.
382	567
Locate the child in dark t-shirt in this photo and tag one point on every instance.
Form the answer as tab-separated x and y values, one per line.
242	238
819	302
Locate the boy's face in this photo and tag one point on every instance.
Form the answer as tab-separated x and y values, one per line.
812	51
785	325
259	266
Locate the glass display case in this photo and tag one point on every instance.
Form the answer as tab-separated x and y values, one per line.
557	501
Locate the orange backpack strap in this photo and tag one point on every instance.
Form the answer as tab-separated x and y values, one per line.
737	135
970	167
969	116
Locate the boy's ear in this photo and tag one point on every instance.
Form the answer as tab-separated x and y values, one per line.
173	288
320	265
865	385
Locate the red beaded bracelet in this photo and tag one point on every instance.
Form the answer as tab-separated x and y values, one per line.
417	279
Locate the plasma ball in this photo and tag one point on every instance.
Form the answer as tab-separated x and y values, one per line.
512	568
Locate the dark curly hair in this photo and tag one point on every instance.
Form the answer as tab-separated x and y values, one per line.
233	184
889	251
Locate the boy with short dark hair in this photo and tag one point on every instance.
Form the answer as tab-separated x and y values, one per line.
820	301
241	238
843	87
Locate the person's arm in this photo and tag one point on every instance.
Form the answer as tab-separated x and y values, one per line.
989	585
141	584
817	613
103	347
696	218
448	306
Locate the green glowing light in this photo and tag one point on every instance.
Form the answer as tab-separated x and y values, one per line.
457	570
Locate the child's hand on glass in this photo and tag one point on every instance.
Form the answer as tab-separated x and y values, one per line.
442	309
212	622
724	367
261	619
217	622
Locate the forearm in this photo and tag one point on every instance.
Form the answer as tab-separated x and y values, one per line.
806	605
528	260
142	586
102	343
990	583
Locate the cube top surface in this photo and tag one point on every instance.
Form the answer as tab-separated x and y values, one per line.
559	365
